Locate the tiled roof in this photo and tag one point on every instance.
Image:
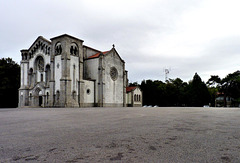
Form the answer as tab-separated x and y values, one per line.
129	89
97	55
220	93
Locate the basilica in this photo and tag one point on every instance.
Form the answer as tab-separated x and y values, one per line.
62	72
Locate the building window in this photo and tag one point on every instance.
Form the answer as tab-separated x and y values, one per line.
25	56
113	73
47	97
74	76
30	77
30	96
58	95
58	49
74	95
88	91
21	100
41	77
137	97
74	49
47	74
40	64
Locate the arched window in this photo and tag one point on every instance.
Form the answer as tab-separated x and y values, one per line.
58	49
73	49
135	97
74	70
74	95
39	69
57	95
41	77
25	56
139	97
47	97
39	63
30	97
88	91
21	100
30	74
47	74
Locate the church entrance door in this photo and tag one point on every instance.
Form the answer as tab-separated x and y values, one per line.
40	101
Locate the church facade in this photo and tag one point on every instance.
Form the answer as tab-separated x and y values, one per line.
62	72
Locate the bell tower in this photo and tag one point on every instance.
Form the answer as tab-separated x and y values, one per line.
68	61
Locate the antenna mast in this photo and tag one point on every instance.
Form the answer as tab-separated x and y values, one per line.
167	71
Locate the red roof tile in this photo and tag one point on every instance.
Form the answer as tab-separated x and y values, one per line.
129	89
97	54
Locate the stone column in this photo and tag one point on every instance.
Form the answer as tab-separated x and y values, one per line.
65	81
124	85
51	101
100	82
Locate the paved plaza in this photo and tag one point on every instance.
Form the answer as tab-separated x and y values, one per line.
120	135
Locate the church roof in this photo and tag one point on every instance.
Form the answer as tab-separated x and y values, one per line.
97	55
66	35
129	89
88	47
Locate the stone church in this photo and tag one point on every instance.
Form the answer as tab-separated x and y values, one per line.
62	72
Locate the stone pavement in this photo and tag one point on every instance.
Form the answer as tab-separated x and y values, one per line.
120	135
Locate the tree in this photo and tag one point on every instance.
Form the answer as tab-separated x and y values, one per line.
214	80
171	93
213	94
198	94
231	84
214	86
179	91
133	84
9	83
228	86
153	92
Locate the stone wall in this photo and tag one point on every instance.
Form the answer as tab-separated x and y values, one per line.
113	92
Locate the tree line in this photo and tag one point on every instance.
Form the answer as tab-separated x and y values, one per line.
9	83
175	92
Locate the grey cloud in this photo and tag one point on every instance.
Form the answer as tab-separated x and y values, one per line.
133	26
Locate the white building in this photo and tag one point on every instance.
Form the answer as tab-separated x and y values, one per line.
65	73
134	96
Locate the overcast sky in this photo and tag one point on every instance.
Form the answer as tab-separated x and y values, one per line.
186	36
